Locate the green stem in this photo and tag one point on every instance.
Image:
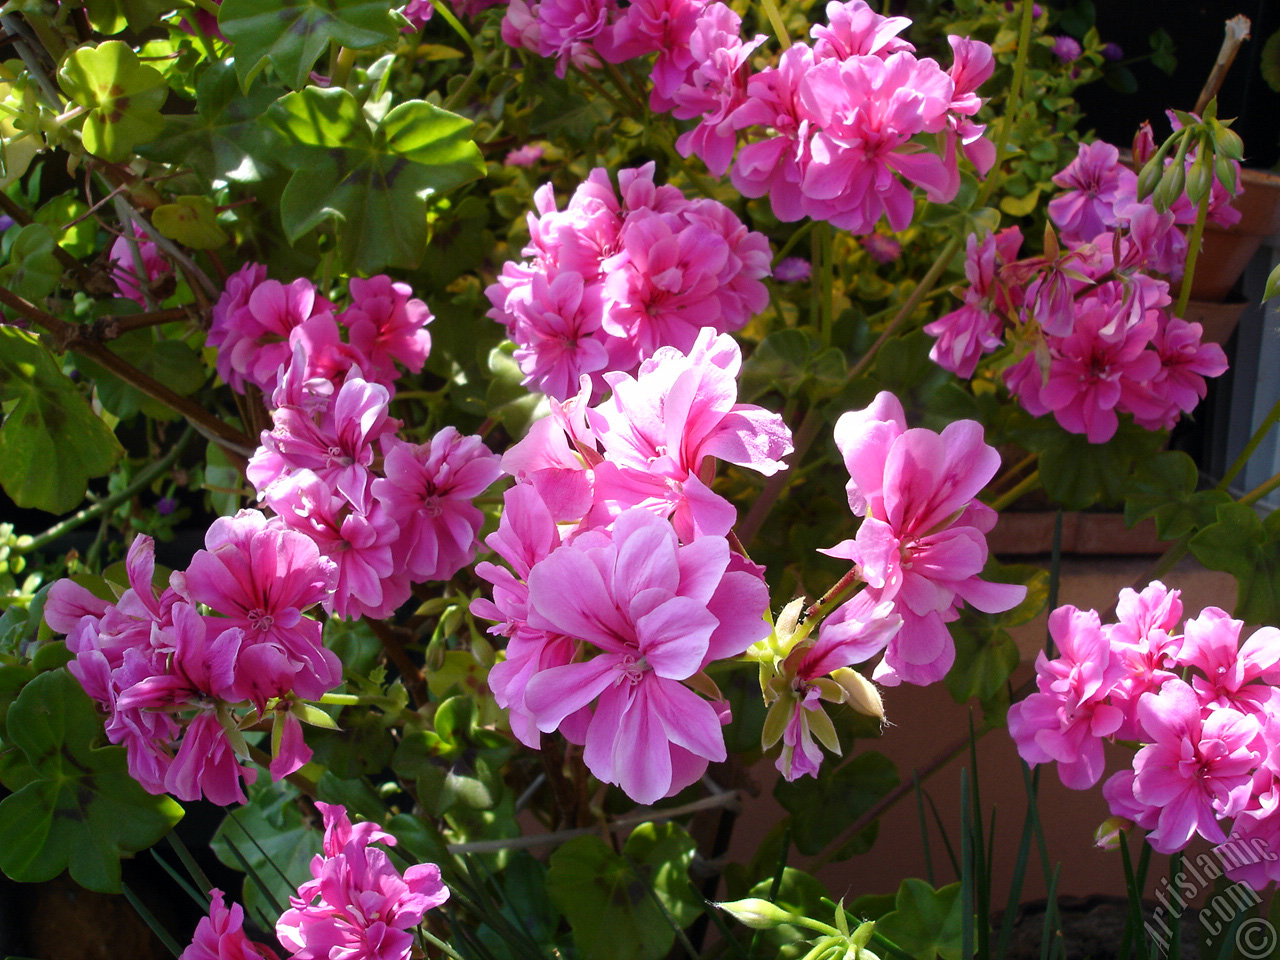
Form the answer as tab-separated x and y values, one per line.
924	287
140	482
1011	106
1193	254
1259	434
1260	491
341	699
1027	484
775	19
342	64
774	486
442	8
828	319
833	596
793	240
439	944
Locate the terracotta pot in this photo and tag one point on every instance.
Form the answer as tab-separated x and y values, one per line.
1226	253
1219	320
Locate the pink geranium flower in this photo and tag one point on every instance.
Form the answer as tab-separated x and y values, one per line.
652	613
1197	769
220	935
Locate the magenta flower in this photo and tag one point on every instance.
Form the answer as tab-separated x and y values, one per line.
220	935
853	29
130	276
567	29
922	543
252	321
977	328
262	578
1196	770
1066	48
386	323
1096	184
663	27
792	270
525	156
1234	676
358	906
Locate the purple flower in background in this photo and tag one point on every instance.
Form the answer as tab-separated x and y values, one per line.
525	156
1112	51
6	222
792	270
880	248
166	506
1067	48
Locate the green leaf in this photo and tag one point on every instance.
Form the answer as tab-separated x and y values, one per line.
926	923
1076	473
664	852
171	362
51	443
272	836
1164	487
790	361
112	16
374	183
33	271
1162	51
83	811
823	807
985	657
292	34
192	221
1248	548
123	95
225	138
80	239
611	912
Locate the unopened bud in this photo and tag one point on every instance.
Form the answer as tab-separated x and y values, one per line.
1172	185
1149	177
758	914
860	693
1225	169
1228	142
1107	836
1200	177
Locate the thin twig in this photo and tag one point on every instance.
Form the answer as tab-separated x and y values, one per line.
731	800
410	673
1237	34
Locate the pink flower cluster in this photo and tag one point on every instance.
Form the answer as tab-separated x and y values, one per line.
178	685
1202	705
388	513
1095	325
844	121
621	585
258	324
609	281
130	276
921	546
358	906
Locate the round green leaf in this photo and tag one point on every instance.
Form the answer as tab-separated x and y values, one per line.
123	95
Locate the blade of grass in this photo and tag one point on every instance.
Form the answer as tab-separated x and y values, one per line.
1015	890
188	861
982	862
966	867
924	829
252	874
1050	917
201	901
254	840
1175	943
946	839
783	854
149	919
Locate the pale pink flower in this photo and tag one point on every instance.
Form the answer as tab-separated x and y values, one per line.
130	276
1067	719
645	606
567	29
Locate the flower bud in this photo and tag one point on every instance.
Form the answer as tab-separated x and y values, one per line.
1200	176
860	693
756	913
1107	836
1225	169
